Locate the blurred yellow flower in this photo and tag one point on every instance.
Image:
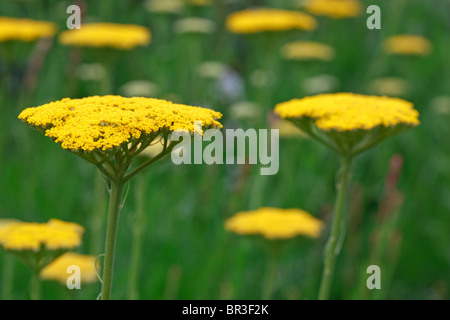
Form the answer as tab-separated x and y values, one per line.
336	9
25	29
307	50
164	6
348	111
105	122
57	270
199	2
54	235
194	25
259	20
407	44
112	35
389	86
275	223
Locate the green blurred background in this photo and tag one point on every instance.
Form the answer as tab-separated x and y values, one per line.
186	253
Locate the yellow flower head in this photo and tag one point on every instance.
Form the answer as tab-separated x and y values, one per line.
105	122
350	122
54	235
406	44
307	50
259	20
25	29
199	2
57	270
111	35
336	9
275	223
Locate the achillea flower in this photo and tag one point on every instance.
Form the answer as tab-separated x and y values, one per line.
164	6
260	20
389	86
307	50
111	35
199	2
275	223
336	9
349	122
194	25
105	122
54	235
25	29
57	270
407	44
110	132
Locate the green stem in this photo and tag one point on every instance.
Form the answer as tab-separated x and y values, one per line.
98	213
338	227
115	203
270	278
35	286
7	277
138	229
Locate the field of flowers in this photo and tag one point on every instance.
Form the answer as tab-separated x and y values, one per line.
358	208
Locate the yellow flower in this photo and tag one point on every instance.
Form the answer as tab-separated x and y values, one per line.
194	25
164	6
406	44
54	235
307	50
105	122
349	123
275	223
389	86
57	270
199	2
347	111
336	9
118	36
25	29
259	20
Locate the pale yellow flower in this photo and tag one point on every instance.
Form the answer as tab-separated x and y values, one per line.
307	50
275	223
407	44
57	270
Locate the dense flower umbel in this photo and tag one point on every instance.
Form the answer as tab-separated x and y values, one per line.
275	223
54	235
336	9
407	44
57	270
105	122
119	36
25	29
259	20
350	122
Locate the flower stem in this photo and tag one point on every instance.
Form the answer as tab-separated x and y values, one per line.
138	228
35	286
338	227
115	203
270	278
